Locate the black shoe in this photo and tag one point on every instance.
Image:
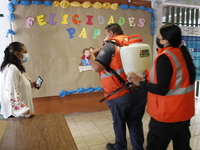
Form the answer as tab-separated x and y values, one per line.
110	146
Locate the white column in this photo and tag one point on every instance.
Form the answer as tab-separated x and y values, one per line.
157	6
4	26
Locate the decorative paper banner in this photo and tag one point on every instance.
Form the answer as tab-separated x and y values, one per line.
55	38
63	93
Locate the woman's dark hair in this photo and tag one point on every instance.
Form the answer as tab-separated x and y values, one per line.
172	33
10	58
115	28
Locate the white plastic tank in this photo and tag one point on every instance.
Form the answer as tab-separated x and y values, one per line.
136	56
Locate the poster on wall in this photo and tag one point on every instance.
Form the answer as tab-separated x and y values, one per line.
59	37
191	38
85	60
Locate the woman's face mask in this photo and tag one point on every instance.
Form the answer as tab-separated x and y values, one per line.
25	58
158	43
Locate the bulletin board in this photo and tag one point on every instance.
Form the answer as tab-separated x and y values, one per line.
55	38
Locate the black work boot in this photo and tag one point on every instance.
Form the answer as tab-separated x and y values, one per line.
110	146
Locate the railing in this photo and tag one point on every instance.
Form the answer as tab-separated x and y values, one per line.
182	16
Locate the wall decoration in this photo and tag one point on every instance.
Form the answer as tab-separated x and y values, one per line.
56	33
85	60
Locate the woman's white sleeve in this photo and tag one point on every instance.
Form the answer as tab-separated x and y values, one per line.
13	94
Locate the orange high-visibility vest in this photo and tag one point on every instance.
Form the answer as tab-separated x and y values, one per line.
108	80
178	104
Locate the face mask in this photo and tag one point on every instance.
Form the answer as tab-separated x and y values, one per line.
158	43
25	58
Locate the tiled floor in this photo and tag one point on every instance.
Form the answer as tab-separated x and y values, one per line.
92	131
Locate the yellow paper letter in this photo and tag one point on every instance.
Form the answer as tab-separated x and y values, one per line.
40	20
111	20
65	17
83	33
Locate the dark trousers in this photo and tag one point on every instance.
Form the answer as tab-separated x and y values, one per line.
160	134
128	109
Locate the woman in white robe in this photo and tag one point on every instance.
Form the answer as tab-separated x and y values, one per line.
15	85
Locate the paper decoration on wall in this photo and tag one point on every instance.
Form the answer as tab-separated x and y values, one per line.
11	7
124	6
85	60
56	38
75	4
11	10
87	4
63	4
40	20
29	22
63	93
37	2
48	3
11	17
15	2
10	32
25	2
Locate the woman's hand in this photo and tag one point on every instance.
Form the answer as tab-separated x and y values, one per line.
133	77
33	84
96	52
29	114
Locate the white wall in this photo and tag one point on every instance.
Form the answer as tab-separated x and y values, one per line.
157	6
4	26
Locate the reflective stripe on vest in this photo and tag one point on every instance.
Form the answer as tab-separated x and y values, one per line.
178	90
109	74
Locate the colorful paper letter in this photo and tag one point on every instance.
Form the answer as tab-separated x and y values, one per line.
101	19
40	20
83	33
96	33
141	22
131	22
121	21
111	20
89	22
74	19
29	22
51	19
65	17
71	31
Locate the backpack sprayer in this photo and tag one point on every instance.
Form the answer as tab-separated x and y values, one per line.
135	56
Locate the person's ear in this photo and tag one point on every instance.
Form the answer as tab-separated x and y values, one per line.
166	41
111	34
17	54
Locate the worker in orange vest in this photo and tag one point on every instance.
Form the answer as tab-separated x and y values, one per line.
127	103
170	86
